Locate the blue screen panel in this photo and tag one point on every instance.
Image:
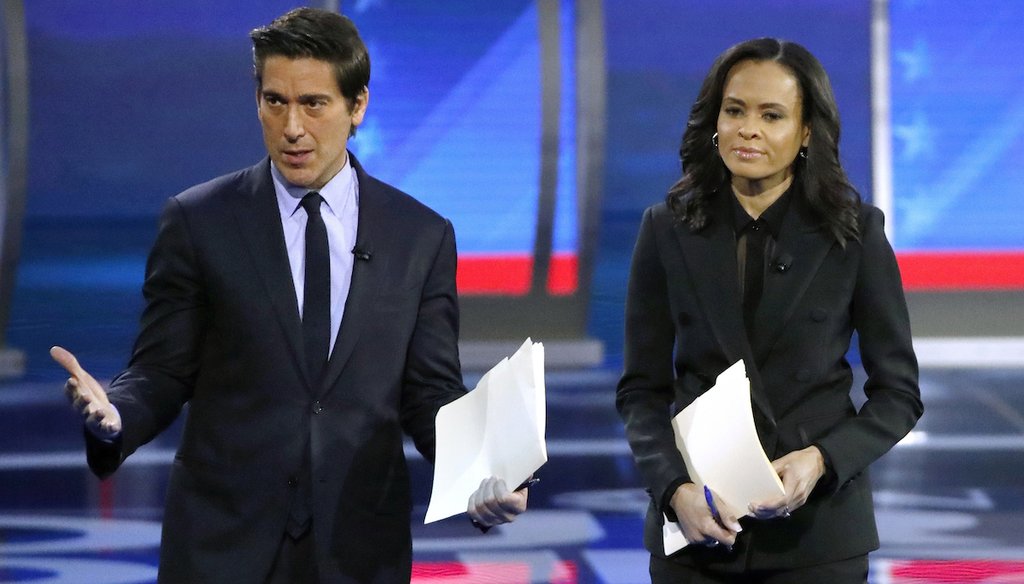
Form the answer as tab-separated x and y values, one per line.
957	91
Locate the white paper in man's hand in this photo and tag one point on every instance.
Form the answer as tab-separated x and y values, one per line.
495	430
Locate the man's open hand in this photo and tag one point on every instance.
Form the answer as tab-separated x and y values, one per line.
88	397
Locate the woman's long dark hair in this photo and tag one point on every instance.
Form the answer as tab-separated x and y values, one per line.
820	177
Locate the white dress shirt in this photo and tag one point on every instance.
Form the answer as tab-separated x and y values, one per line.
340	212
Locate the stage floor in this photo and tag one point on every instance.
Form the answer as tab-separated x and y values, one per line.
949	501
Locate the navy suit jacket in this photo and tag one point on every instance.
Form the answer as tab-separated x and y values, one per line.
684	326
221	332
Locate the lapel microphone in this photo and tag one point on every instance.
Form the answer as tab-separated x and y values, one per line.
782	263
361	254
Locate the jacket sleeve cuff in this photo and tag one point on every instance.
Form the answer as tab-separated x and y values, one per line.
666	498
828	483
103	456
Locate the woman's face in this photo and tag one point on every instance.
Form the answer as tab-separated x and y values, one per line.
760	125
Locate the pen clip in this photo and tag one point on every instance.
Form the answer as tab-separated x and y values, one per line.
527	484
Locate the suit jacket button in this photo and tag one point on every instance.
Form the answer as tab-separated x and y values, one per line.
317	408
293	482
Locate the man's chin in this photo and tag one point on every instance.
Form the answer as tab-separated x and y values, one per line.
297	177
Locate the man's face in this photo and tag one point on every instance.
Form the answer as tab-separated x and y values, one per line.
306	121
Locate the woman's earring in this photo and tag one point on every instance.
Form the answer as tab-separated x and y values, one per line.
714	140
803	153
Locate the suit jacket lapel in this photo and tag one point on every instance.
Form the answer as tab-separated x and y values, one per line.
259	221
807	244
359	304
710	257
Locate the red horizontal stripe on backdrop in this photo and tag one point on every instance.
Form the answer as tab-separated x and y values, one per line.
502	275
512	274
563	275
962	270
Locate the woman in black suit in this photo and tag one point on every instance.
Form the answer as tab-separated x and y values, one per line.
764	252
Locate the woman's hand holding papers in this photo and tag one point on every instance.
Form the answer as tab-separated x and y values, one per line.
493	503
800	471
698	520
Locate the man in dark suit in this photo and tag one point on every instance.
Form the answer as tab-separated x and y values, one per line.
307	313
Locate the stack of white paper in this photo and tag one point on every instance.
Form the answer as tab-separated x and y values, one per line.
718	440
495	430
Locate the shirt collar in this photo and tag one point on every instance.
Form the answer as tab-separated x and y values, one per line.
772	216
339	192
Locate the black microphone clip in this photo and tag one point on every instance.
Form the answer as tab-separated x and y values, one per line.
782	263
361	254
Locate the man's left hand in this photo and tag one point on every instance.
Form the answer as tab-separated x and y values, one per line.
493	503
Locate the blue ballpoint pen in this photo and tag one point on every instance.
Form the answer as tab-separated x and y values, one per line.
714	510
711	504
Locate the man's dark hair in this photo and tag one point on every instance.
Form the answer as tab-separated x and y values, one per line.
820	176
315	34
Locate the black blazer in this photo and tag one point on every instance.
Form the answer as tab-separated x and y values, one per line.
221	331
684	326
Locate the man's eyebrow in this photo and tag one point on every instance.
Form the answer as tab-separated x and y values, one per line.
310	97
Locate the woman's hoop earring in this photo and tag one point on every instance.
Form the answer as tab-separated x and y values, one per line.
714	139
803	153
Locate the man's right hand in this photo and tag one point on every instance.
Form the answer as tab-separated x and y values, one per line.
88	397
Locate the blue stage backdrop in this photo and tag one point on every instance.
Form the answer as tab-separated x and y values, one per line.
957	99
135	101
